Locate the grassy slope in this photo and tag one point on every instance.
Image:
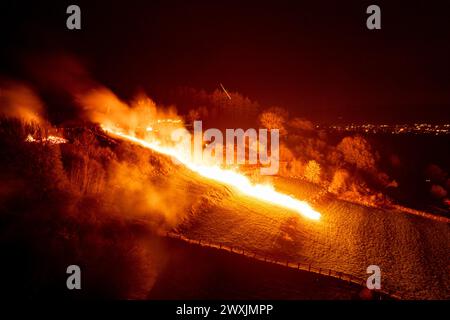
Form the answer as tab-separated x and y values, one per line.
411	251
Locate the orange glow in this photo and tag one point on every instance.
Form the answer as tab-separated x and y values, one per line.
49	139
240	182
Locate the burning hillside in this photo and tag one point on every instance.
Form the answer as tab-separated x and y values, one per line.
102	187
228	177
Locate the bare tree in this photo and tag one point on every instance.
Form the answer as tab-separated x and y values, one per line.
357	151
313	171
274	118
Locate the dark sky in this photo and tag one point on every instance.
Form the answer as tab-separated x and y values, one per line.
316	58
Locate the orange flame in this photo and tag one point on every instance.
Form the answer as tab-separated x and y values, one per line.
50	139
232	178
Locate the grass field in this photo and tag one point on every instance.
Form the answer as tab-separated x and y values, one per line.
411	251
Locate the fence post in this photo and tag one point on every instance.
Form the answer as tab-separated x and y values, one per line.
309	267
298	266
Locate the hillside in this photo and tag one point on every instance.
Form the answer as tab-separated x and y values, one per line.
98	202
411	251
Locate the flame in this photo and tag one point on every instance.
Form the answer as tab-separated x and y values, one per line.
232	178
49	139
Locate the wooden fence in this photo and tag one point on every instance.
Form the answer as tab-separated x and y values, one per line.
294	265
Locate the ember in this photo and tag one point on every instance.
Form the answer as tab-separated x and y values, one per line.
49	139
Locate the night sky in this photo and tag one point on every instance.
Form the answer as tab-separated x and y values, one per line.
315	58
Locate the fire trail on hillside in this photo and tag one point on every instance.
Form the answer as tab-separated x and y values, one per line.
238	181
